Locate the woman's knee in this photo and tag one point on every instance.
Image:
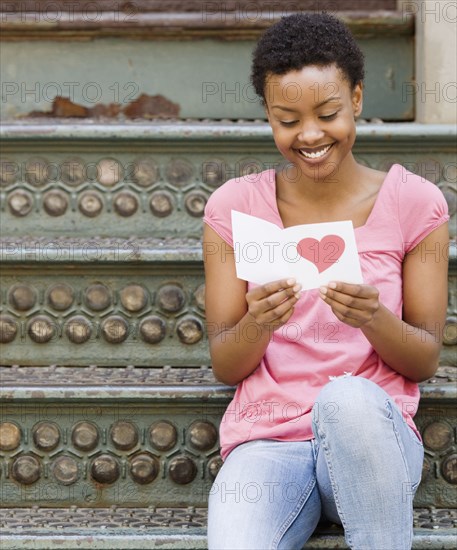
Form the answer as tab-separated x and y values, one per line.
347	401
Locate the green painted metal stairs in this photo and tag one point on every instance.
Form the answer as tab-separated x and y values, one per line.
109	409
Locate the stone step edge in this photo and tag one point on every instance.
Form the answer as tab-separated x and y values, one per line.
219	24
385	135
193	539
78	384
35	251
167	527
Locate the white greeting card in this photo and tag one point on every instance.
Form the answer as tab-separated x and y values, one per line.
314	254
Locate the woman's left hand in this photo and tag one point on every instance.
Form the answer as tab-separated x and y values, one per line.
355	305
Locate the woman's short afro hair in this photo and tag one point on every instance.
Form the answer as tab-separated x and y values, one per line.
302	39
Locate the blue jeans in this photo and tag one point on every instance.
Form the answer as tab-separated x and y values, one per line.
361	471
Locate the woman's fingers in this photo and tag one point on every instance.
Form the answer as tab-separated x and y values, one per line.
268	289
355	305
270	302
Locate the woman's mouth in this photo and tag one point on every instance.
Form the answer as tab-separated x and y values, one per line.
316	153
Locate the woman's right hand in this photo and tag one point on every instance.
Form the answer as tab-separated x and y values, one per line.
271	305
231	310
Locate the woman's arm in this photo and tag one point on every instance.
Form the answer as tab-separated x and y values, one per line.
411	345
239	324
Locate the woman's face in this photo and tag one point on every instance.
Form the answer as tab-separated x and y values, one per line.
311	113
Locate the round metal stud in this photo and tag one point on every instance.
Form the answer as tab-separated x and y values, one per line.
195	204
90	204
450	332
250	167
124	435
179	172
10	436
145	172
114	329
214	172
189	330
46	435
85	436
202	435
144	468
97	297
199	296
109	172
26	469
133	297
163	435
55	203
60	296
170	298
437	436
37	172
73	172
214	465
8	329
161	204
449	468
125	204
8	172
22	297
182	470
153	329
41	329
20	203
78	329
65	470
105	469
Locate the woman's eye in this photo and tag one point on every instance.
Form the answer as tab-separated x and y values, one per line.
328	117
287	122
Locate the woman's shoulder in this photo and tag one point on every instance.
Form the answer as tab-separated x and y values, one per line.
413	188
420	205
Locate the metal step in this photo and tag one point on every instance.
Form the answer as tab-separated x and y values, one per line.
152	179
117	528
132	436
114	301
181	57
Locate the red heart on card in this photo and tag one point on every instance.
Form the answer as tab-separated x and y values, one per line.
324	253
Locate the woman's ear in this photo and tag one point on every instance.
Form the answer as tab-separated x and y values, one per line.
357	99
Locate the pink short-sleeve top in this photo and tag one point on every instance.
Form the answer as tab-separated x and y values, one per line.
313	347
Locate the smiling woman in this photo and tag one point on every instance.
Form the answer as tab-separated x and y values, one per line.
316	128
321	424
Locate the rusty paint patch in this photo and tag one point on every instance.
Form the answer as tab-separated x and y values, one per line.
145	106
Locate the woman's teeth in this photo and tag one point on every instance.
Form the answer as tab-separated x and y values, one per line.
317	154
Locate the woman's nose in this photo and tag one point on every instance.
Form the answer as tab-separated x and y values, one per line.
310	133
